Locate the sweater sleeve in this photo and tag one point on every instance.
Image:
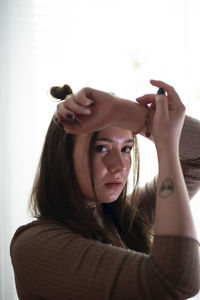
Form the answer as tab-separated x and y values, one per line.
189	152
50	262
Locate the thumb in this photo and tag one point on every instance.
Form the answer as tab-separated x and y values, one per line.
162	110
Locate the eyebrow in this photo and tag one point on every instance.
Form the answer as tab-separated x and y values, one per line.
112	141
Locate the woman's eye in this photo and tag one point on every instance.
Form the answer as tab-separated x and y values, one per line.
127	149
101	148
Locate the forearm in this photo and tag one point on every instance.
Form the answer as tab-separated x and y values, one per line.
172	215
131	115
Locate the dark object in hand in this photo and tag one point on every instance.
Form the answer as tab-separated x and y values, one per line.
160	91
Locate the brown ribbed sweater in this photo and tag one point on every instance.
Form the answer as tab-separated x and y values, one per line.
51	262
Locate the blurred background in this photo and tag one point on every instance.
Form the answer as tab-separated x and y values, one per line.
113	45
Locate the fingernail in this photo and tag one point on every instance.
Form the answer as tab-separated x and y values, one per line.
87	111
69	116
160	91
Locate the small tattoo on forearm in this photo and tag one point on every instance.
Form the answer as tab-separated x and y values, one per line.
166	188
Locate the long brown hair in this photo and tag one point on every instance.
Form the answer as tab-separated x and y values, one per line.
56	194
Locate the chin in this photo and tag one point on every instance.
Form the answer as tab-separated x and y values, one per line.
108	199
109	194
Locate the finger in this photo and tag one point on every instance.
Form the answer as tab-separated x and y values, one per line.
82	99
77	108
146	99
56	118
68	125
72	127
162	109
70	109
64	112
168	88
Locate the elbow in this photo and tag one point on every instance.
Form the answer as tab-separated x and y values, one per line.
191	287
175	264
186	291
166	287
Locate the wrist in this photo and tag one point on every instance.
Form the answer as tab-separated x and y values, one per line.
167	152
130	115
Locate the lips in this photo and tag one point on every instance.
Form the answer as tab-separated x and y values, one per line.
113	182
113	185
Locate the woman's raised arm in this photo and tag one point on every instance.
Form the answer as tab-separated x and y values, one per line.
172	214
90	110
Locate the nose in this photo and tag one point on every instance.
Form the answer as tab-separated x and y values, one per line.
115	162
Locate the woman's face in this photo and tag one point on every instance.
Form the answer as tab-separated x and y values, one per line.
111	163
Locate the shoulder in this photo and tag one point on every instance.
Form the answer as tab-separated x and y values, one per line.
38	227
41	241
36	234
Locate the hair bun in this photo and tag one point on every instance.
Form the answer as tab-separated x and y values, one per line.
61	92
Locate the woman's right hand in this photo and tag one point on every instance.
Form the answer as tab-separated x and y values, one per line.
86	111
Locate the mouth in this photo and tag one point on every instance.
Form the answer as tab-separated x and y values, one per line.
113	185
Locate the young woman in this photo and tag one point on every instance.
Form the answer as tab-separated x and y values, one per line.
91	240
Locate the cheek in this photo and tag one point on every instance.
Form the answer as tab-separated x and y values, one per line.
99	168
99	165
127	170
128	162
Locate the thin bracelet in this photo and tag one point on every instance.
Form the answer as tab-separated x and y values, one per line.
146	124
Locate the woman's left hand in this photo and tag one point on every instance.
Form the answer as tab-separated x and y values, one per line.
167	115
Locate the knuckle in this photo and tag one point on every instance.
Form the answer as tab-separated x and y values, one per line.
87	91
83	91
68	97
60	106
171	87
86	88
77	99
